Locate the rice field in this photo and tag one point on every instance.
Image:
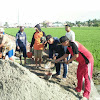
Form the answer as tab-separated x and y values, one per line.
88	36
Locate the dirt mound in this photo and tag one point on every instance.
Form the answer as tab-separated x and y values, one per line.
17	83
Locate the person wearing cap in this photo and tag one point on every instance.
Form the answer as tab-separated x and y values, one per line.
6	45
37	45
85	66
21	43
58	51
69	33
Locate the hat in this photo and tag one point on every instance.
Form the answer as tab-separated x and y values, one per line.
48	37
38	27
63	39
67	25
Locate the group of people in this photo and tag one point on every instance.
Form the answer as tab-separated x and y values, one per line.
64	48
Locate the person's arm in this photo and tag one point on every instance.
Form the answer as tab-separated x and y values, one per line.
17	41
3	41
61	58
1	45
45	44
32	42
73	58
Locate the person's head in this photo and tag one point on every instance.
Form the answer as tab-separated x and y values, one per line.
64	41
21	28
67	28
37	28
49	39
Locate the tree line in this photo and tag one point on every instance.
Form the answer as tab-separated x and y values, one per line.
89	23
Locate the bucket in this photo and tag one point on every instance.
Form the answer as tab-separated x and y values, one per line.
29	54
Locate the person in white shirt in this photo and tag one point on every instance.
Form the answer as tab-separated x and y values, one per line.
70	34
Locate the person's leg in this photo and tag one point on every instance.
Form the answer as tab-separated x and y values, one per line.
40	57
80	75
10	55
24	54
58	67
32	50
20	56
35	55
88	77
65	70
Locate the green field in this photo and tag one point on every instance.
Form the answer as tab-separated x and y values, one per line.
88	36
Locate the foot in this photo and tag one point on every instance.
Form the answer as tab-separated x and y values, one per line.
56	76
48	77
80	95
20	62
39	66
36	66
62	80
84	98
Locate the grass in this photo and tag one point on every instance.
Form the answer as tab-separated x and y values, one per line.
88	36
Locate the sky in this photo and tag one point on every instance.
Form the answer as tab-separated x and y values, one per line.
36	11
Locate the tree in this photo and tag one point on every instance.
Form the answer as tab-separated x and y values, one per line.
78	23
44	24
89	23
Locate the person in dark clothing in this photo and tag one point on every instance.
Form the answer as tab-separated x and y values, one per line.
37	45
21	42
58	51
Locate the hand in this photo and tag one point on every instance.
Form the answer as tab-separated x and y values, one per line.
18	47
45	42
67	62
45	48
50	58
54	58
56	61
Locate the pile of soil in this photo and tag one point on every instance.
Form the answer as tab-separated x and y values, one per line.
18	83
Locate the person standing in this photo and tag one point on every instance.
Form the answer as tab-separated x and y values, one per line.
21	43
58	51
37	45
69	33
85	66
